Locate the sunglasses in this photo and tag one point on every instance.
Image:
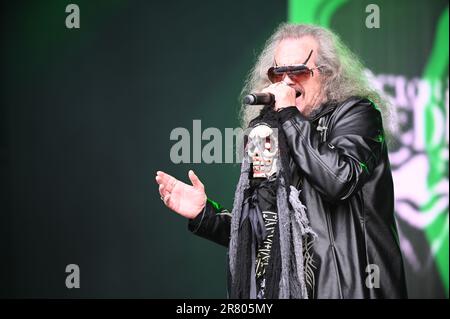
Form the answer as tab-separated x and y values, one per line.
297	73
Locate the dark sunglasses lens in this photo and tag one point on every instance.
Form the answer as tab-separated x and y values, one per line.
301	74
296	73
274	76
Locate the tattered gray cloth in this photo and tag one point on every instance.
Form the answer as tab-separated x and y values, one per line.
288	269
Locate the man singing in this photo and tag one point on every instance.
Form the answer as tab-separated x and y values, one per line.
313	213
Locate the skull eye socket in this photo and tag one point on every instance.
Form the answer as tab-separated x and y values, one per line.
267	144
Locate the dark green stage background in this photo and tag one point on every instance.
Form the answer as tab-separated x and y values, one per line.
86	116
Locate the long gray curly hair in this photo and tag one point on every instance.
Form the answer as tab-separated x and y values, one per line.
342	73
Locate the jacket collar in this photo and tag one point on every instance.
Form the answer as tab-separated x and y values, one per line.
321	111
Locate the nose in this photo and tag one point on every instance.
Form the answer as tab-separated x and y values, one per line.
288	80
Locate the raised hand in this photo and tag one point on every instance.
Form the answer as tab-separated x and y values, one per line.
184	199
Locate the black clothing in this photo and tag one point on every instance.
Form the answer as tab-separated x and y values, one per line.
340	163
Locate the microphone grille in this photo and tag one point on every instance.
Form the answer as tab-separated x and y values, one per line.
249	99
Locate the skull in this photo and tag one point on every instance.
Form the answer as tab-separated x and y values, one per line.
262	150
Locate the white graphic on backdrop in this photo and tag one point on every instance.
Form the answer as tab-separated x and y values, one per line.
410	161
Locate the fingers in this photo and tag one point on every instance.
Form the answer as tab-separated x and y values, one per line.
162	178
195	180
166	200
266	90
166	180
162	192
278	88
166	184
270	88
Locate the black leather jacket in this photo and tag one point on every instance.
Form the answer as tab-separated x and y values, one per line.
340	162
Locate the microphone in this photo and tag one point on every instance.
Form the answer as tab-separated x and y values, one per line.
259	99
